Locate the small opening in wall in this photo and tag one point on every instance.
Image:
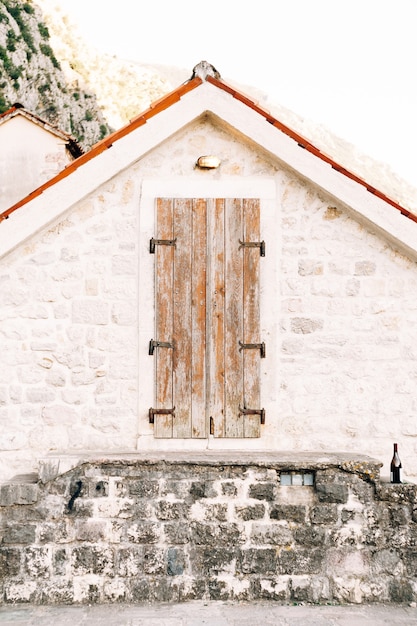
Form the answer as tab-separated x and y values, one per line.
296	479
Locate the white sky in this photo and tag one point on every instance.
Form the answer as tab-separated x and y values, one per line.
347	64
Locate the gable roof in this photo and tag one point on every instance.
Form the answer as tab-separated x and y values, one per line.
205	92
17	110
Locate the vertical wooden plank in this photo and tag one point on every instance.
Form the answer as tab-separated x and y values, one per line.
182	361
233	318
251	316
164	264
198	314
216	317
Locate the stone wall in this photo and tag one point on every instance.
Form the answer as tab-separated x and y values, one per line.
136	529
338	311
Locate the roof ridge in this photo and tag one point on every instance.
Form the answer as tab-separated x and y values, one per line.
205	72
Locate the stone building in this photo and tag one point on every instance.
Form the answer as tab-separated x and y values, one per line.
31	152
206	279
207	326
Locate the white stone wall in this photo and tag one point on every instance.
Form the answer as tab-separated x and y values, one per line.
76	314
29	156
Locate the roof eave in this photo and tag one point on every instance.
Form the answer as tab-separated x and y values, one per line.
385	214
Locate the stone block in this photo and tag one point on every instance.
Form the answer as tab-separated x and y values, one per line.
218	512
59	562
410	559
153	560
229	534
207	561
202	533
273	588
17	591
91	530
179	489
90	311
143	532
310	535
129	562
81	508
99	489
37	561
401	591
332	492
262	561
272	534
116	591
323	514
400	515
310	267
218	590
396	493
18	494
194	589
140	591
304	325
144	488
229	489
141	509
289	512
365	268
301	561
177	533
56	592
202	489
311	589
246	513
154	590
262	491
10	561
8	494
165	510
92	560
176	562
20	534
364	491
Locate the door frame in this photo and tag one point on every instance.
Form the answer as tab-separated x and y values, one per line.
262	188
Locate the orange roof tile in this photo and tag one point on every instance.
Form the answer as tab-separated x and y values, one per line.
173	97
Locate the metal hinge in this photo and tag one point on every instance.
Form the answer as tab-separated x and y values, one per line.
260	412
254	346
153	412
253	244
161	242
159	344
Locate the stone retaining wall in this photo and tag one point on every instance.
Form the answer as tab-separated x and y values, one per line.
165	530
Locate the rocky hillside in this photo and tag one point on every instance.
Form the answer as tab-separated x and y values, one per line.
32	74
123	88
47	67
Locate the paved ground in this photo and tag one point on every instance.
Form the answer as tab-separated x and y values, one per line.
209	614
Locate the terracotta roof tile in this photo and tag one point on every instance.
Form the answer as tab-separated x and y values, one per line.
173	97
307	145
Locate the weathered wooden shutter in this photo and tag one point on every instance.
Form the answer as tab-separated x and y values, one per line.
207	318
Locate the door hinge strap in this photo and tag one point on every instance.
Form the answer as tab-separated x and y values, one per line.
260	412
161	242
153	412
254	346
253	244
159	344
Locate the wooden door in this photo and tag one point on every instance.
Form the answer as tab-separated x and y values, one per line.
207	347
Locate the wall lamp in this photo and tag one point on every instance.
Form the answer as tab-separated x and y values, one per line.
208	162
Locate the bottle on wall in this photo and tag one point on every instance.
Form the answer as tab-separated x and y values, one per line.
396	466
